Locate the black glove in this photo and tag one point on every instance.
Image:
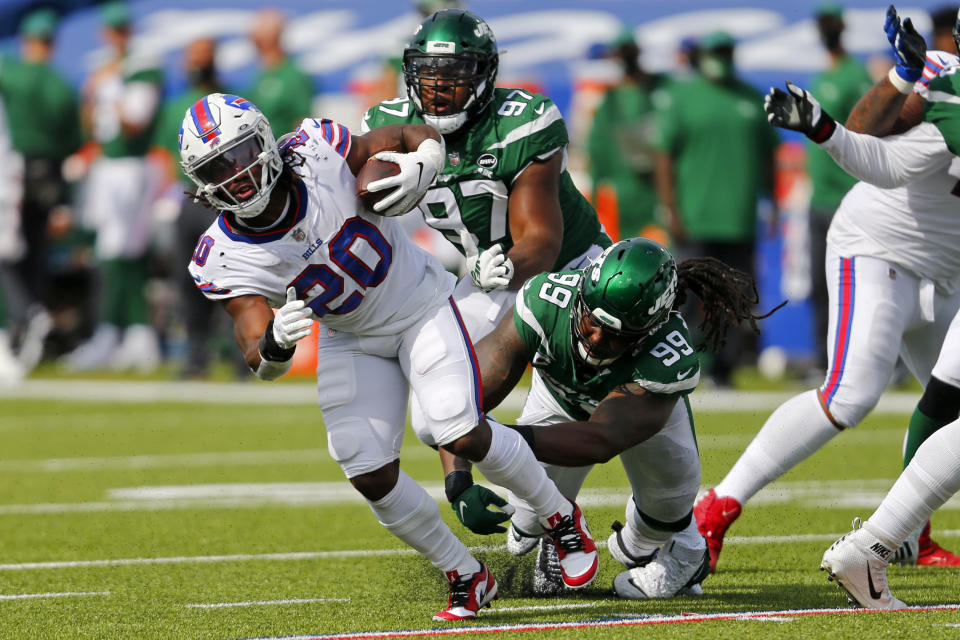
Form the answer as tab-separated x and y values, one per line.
909	47
470	501
797	110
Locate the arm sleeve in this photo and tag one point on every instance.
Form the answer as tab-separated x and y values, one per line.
889	162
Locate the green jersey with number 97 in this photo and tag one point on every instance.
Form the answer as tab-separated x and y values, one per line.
484	159
663	364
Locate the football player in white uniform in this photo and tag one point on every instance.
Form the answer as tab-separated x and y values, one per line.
893	264
292	236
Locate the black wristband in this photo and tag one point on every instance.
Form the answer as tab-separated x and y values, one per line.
270	350
456	482
824	129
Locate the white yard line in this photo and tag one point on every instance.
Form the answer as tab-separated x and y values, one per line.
305	393
360	553
63	594
554	607
864	494
262	603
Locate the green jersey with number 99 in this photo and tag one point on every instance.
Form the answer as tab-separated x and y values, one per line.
663	364
484	159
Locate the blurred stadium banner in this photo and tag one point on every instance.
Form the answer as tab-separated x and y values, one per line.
548	45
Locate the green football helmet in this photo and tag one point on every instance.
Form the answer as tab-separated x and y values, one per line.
628	292
452	49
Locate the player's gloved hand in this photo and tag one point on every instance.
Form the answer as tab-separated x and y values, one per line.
491	269
797	110
909	47
417	171
292	322
470	504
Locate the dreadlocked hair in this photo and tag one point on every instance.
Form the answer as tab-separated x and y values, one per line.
726	294
288	176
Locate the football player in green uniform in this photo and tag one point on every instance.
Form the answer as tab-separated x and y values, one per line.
613	365
504	197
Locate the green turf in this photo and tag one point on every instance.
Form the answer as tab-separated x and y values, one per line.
61	461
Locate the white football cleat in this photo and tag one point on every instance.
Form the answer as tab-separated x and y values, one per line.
676	570
579	560
547	576
858	561
519	544
618	549
468	594
139	349
95	353
906	555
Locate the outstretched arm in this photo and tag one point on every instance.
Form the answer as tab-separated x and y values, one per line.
626	417
883	111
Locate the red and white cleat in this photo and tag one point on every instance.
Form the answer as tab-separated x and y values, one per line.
931	554
579	560
468	594
714	516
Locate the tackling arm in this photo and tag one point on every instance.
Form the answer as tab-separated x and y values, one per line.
536	222
626	417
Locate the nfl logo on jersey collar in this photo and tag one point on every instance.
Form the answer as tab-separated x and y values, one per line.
454	159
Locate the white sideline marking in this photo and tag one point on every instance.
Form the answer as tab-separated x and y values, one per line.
296	393
62	594
262	603
359	553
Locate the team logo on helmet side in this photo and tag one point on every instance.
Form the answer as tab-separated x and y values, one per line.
665	301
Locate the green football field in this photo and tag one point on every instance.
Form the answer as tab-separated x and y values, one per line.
214	512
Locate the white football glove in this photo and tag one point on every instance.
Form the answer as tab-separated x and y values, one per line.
292	322
491	269
417	171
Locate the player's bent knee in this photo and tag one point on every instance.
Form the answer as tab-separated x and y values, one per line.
358	449
376	484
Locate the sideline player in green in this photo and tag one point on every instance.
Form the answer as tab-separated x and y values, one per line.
504	197
613	365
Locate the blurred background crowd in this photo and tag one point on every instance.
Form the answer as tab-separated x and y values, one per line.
662	101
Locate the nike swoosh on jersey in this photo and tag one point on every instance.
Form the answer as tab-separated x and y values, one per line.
684	374
539	109
462	505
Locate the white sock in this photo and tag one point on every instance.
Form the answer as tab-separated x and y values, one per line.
409	513
511	464
931	478
639	537
796	430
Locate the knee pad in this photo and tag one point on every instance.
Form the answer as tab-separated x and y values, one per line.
358	448
940	401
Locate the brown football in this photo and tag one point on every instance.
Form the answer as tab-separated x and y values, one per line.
372	171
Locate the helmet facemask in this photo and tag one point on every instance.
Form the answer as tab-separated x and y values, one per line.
227	148
240	176
448	90
616	340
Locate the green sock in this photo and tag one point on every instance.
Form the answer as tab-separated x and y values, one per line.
921	427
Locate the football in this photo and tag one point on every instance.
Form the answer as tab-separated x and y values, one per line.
372	171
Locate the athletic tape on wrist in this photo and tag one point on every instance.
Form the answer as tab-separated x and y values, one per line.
903	86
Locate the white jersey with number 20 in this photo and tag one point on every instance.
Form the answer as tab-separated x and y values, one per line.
357	271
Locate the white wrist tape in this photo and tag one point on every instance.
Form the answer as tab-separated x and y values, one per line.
271	370
903	86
